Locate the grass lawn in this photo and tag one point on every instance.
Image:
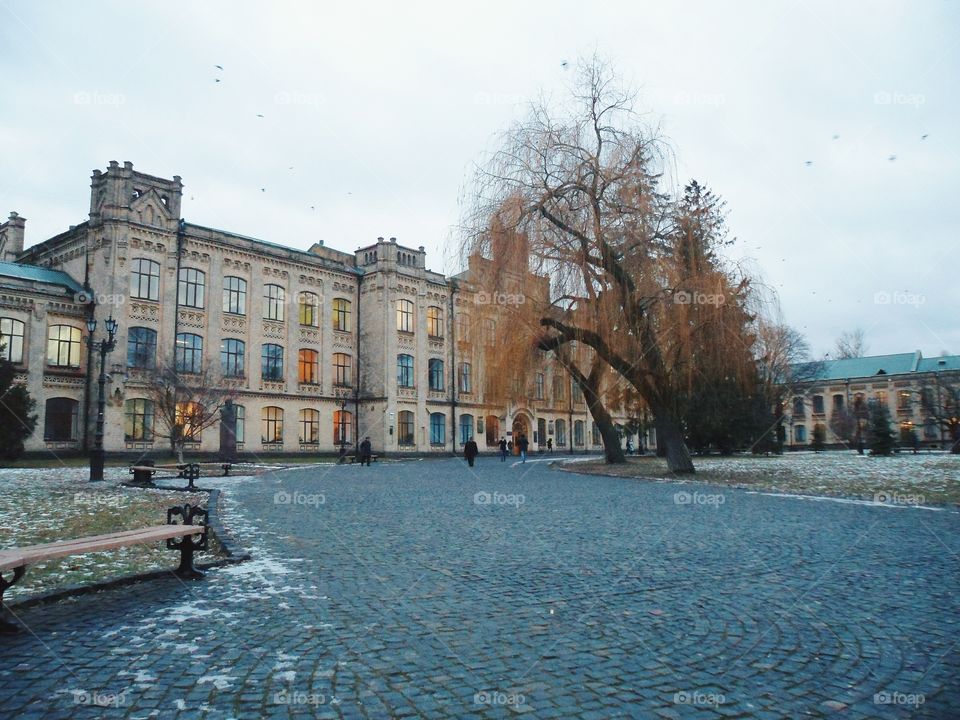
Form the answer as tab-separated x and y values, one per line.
926	478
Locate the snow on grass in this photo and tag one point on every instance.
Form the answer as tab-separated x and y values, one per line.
905	479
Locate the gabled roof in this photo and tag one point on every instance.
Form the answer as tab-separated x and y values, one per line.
36	273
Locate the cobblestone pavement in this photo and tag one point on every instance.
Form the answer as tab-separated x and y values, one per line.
423	589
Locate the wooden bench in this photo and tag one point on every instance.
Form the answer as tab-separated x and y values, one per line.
353	458
189	471
178	536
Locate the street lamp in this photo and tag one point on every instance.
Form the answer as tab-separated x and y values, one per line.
103	347
342	394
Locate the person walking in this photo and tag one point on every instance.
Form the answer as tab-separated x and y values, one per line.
549	445
365	451
524	444
503	449
470	451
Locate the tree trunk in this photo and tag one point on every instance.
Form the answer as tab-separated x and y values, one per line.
612	452
670	438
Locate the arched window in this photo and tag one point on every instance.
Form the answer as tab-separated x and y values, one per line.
11	340
341	315
405	371
578	432
272	426
190	288
63	346
145	279
436	373
271	362
405	316
60	419
308	366
561	432
232	353
274	298
434	322
405	427
138	420
235	295
341	370
465	377
141	347
189	419
309	427
466	428
438	429
309	305
342	427
189	353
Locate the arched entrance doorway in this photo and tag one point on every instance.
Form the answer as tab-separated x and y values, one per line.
521	426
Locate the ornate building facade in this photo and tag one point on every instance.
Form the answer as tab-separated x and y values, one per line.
316	348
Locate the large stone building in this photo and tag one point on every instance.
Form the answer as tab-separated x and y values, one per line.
921	395
316	348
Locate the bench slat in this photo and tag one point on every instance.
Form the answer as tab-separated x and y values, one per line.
10	560
100	543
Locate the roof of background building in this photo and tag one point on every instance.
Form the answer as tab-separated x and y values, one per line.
39	274
873	365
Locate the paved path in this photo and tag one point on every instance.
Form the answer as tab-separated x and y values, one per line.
420	589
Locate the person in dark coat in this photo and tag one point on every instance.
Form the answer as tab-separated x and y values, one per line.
365	451
524	444
503	449
470	451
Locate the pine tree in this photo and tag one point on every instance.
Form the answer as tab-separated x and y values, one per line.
880	437
16	422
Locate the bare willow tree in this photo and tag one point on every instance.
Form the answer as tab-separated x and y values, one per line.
851	344
632	271
184	405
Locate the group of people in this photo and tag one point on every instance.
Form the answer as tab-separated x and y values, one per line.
471	450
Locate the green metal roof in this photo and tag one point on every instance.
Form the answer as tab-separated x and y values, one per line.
39	274
874	365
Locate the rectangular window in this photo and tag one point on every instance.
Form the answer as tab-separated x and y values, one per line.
145	279
405	371
63	346
436	374
341	369
138	420
141	348
818	404
538	386
188	355
309	309
341	315
232	353
405	316
438	429
271	362
434	322
11	340
466	378
272	426
274	298
308	369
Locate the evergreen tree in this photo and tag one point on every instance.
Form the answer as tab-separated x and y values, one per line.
880	437
16	422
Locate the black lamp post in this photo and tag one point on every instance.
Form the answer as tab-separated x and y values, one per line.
103	347
342	394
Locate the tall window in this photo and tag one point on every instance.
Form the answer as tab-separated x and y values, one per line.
309	305
232	353
466	428
308	366
818	404
465	377
271	362
342	427
138	420
576	392
435	322
341	370
274	298
341	315
538	386
903	400
141	347
189	353
404	316
561	433
800	434
235	295
837	402
405	427
63	346
798	407
188	420
272	426
436	373
60	419
558	391
11	340
489	332
241	415
190	288
463	327
438	429
405	371
309	426
145	279
578	432
595	434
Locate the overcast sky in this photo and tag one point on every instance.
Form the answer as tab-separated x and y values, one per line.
373	115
